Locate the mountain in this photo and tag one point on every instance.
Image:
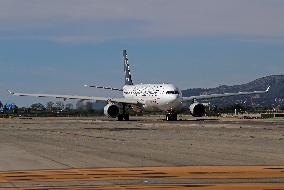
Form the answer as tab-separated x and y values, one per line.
274	97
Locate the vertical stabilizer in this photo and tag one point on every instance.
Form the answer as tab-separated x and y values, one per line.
128	79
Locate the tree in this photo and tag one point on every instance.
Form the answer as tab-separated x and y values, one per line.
80	105
37	107
89	106
69	106
84	105
59	105
49	105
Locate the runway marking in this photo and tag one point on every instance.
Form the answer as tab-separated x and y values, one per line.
188	177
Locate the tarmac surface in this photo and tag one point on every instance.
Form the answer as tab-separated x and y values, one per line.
58	153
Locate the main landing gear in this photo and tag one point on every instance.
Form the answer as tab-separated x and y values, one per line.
171	117
124	115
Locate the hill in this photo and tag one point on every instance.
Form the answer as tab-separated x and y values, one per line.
274	97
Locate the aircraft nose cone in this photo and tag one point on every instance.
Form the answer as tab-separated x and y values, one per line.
173	98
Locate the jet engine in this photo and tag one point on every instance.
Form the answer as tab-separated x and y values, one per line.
197	109
111	110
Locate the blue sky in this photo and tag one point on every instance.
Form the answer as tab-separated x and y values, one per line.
56	46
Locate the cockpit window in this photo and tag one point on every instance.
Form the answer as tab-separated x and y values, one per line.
172	92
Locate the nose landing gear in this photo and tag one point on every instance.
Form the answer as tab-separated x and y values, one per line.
171	117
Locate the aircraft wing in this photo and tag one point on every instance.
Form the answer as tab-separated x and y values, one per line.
211	96
75	97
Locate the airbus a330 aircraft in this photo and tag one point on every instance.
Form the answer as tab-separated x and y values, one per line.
146	97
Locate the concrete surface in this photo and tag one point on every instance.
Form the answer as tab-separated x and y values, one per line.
60	143
210	154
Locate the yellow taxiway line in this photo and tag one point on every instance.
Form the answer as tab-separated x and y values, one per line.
152	178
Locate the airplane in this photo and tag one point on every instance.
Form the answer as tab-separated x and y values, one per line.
146	97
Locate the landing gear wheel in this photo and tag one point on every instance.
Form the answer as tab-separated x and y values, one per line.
126	117
168	117
174	117
120	117
171	117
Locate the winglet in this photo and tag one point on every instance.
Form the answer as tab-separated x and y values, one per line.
267	89
11	92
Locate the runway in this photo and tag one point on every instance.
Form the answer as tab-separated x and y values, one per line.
191	177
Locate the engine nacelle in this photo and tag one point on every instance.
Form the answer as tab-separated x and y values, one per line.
111	110
197	110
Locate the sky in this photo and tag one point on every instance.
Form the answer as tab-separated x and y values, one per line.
57	46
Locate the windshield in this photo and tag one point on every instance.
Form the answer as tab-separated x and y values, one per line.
172	92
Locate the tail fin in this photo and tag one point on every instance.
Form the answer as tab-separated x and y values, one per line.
128	79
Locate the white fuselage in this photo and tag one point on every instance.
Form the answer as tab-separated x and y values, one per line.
165	97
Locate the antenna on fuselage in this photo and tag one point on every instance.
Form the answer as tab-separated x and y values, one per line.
128	79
